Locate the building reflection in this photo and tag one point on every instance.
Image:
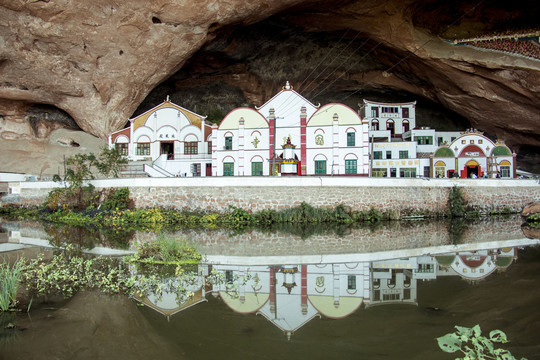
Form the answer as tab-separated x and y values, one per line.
291	295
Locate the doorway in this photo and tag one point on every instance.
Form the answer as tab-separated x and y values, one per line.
167	147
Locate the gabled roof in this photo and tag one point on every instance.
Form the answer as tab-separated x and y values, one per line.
194	118
288	98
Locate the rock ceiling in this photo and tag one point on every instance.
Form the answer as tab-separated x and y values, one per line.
91	65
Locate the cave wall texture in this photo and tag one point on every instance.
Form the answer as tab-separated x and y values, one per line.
92	65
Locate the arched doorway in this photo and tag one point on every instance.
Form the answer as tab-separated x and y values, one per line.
472	169
406	126
390	126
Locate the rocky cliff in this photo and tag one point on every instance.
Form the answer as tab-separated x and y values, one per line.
93	65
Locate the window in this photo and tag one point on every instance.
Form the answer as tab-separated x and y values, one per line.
377	154
351	282
350	166
228	169
228	142
425	268
379	172
191	148
426	171
439	141
388	154
143	149
320	167
256	168
196	169
424	140
209	147
407	172
406	294
228	276
405	112
390	297
390	110
505	171
452	138
403	154
375	112
375	125
122	149
351	139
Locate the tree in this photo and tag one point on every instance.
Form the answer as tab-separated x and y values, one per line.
110	162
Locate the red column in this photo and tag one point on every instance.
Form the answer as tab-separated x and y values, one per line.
272	290
303	152
304	288
272	124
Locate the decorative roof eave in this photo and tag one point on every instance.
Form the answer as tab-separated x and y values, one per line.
389	104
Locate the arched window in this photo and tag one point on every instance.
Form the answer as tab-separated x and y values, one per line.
375	125
406	126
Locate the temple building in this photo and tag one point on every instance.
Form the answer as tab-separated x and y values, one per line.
474	155
288	135
167	141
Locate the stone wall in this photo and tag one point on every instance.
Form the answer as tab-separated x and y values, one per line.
255	194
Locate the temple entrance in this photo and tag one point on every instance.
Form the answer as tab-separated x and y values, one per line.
167	147
472	169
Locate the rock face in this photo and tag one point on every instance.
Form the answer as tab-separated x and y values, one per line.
96	63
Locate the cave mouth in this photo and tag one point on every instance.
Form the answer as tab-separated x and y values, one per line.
247	65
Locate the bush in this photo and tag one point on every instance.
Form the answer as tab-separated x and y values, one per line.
115	199
456	202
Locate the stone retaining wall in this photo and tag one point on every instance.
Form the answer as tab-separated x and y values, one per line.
256	194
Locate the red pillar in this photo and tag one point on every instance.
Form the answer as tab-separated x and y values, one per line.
303	151
303	289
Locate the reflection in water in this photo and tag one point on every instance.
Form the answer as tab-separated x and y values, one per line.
393	290
291	295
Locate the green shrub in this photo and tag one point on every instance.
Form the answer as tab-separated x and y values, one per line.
456	202
115	199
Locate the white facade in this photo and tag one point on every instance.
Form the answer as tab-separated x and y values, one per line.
171	140
400	149
288	135
473	155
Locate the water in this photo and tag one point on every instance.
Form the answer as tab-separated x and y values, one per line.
379	293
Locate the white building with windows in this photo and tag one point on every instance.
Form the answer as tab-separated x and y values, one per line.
288	135
399	148
168	141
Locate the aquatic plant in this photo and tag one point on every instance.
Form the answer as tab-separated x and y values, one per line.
167	251
475	346
10	278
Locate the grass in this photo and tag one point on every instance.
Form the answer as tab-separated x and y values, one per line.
10	278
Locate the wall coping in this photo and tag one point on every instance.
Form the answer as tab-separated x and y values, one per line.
303	181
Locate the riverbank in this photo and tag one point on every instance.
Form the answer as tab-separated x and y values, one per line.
399	197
